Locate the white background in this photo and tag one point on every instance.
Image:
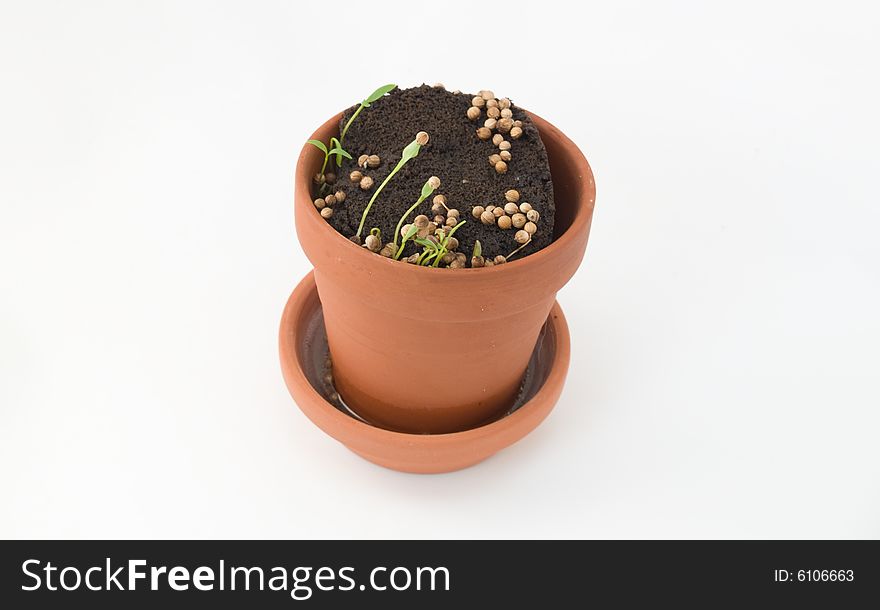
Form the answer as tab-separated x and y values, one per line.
725	332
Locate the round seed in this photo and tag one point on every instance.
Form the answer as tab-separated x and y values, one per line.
518	220
363	159
340	196
456	264
366	183
478	261
493	103
477	211
533	215
422	138
434	182
490	208
421	221
493	159
319	203
498	211
387	251
412	259
478	101
439	219
515	132
448	258
517	123
497	139
355	176
484	133
374	161
473	113
439	200
454	213
512	195
490	123
460	256
511	208
373	243
531	228
504	103
501	167
506	113
504	222
504	125
319	178
522	237
437	209
524	207
355	240
504	145
326	212
452	243
451	221
330	199
500	259
493	113
505	155
489	263
330	177
487	218
487	95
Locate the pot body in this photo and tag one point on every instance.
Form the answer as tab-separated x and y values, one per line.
406	359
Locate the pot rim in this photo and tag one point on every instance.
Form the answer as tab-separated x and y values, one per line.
344	427
579	224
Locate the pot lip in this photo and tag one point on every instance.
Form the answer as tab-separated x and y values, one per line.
579	225
293	373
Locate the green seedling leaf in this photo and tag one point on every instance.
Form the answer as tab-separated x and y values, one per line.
427	189
378	93
427	243
412	231
411	151
319	145
478	248
339	152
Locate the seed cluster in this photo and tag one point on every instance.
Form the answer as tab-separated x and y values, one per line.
369	161
324	204
499	118
513	214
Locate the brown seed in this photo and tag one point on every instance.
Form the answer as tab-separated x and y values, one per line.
501	167
522	237
478	101
489	123
366	183
525	207
372	243
500	260
487	218
330	199
461	257
452	243
320	203
439	219
518	220
515	132
489	263
438	86
421	221
504	103
477	210
517	123
340	196
533	215
319	179
451	222
374	161
434	182
497	139
387	251
498	211
505	155
326	212
448	258
456	264
473	113
511	208
362	160
531	228
490	208
512	195
493	112
439	200
484	133
478	261
504	145
413	259
493	103
355	239
506	113
504	222
422	138
405	229
330	177
437	210
493	159
355	176
487	95
504	125
454	213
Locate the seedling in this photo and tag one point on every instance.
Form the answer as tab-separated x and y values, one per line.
374	96
445	241
427	189
478	249
408	236
334	149
507	258
410	152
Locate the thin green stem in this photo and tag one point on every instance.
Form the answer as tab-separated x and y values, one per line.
443	248
350	121
411	150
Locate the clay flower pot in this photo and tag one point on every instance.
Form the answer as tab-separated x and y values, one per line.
376	310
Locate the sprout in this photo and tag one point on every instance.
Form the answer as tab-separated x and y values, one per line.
411	151
335	149
409	235
427	189
445	241
374	96
478	249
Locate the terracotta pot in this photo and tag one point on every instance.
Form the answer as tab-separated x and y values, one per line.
302	346
375	308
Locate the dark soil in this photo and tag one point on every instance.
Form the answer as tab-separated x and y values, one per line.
454	154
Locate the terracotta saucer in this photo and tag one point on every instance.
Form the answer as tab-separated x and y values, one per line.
303	350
